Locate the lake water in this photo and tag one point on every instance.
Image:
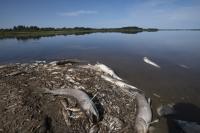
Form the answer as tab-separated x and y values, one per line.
177	52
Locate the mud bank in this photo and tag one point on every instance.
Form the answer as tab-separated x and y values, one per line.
25	107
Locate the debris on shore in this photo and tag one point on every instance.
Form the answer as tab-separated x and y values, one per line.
69	96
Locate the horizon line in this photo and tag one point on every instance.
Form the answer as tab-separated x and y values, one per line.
103	27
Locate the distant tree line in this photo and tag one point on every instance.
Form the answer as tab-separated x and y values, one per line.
22	32
36	28
22	28
25	28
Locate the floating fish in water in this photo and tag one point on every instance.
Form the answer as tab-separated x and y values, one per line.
83	99
148	61
189	127
184	66
144	114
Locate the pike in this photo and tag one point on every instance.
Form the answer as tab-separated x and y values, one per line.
83	99
144	114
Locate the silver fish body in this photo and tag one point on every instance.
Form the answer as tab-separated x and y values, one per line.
148	61
83	99
144	114
107	70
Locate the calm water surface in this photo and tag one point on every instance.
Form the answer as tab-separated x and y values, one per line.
124	53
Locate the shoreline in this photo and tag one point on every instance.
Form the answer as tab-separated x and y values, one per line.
47	32
26	108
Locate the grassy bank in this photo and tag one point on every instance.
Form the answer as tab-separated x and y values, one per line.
35	32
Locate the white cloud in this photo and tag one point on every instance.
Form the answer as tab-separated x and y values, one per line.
78	13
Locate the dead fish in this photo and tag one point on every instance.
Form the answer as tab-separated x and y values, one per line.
3	66
184	66
53	63
144	114
188	127
106	70
119	83
148	61
69	109
126	88
156	95
40	62
83	99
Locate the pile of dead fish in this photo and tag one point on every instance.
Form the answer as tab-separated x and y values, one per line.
107	102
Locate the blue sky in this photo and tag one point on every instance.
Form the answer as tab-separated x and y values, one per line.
101	13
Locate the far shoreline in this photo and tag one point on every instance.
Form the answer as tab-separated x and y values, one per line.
24	32
33	32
